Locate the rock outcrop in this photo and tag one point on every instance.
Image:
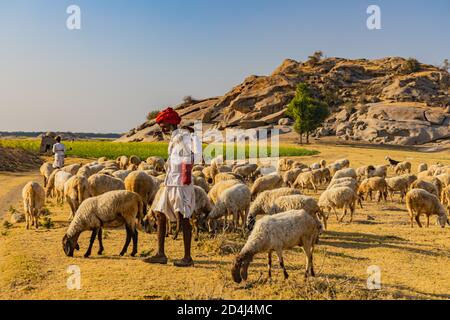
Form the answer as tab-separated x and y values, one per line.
379	101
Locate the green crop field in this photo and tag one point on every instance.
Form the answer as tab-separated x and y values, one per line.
97	148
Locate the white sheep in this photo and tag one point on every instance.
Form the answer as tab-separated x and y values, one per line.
72	169
46	170
345	173
76	190
217	189
422	167
402	167
234	201
378	171
142	184
370	185
264	201
419	201
121	174
425	185
157	162
290	176
338	198
308	180
271	181
100	184
61	178
33	196
110	210
398	184
277	233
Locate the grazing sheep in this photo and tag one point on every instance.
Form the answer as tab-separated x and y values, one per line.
158	163
264	201
72	169
402	167
378	171
422	167
370	185
142	184
436	182
198	174
132	167
424	174
89	170
135	160
445	179
315	166
61	178
410	177
210	173
445	197
364	172
112	209
334	167
223	176
217	189
277	233
338	198
343	182
398	184
326	175
121	174
33	196
308	180
323	163
100	184
269	182
343	163
294	202
245	171
201	182
123	162
419	201
234	201
290	176
202	209
46	170
425	185
76	190
443	170
143	166
345	173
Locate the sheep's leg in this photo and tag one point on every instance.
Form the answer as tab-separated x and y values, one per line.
269	263
418	221
36	221
281	260
100	242
336	214
91	243
307	248
135	242
428	221
127	241
343	215
352	211
225	219
411	218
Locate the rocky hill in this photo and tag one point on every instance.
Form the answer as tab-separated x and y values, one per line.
385	101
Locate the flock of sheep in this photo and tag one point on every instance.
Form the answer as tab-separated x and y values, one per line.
112	193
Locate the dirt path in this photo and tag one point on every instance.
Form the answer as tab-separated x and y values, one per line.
11	185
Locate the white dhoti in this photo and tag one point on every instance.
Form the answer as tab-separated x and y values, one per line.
175	199
59	161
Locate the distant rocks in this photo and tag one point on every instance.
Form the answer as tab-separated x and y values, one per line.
375	101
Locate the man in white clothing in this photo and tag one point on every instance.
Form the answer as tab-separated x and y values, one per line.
59	150
177	200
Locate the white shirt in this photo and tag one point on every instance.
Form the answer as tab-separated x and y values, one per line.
184	147
59	149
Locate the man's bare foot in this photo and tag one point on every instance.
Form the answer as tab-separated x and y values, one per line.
185	262
159	259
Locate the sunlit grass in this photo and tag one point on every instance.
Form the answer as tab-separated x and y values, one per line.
112	150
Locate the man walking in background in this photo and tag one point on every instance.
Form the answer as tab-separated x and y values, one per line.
59	150
177	200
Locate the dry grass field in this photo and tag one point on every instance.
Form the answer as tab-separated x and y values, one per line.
414	263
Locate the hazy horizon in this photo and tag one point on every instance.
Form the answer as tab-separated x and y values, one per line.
132	57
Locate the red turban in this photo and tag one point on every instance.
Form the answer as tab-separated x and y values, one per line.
168	116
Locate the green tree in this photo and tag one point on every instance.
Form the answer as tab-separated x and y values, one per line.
308	113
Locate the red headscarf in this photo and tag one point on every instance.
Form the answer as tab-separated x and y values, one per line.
168	116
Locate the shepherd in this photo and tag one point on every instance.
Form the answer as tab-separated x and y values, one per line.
59	150
177	201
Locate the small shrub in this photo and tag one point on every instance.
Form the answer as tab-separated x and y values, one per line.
12	210
146	253
47	223
152	115
7	225
410	66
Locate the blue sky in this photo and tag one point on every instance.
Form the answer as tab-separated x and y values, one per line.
133	56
